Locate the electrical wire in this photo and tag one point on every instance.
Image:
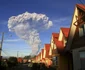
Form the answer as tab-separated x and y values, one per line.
82	2
6	53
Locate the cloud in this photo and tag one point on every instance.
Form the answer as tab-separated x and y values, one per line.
12	40
27	26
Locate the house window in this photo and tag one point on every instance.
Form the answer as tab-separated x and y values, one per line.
55	61
82	30
82	59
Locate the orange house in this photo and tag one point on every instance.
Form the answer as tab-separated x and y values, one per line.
20	60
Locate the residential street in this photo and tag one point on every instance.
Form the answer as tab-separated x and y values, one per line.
42	34
21	67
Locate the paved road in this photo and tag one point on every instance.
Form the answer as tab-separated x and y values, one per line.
21	67
25	67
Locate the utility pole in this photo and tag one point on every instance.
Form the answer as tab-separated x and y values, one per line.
1	43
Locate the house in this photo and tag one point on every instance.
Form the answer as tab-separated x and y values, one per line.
25	60
39	57
36	59
42	52
67	48
76	38
52	47
20	60
64	58
61	59
47	48
46	57
33	60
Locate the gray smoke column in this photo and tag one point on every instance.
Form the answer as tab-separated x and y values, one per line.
27	26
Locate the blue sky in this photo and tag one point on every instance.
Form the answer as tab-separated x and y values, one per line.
59	12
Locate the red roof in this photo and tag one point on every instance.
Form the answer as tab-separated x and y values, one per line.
55	35
81	6
59	45
65	31
47	47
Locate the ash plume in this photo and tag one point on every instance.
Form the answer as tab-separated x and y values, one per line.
27	26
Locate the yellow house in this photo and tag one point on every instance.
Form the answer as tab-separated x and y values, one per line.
76	39
67	48
58	44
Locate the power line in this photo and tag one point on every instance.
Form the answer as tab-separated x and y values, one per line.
82	2
3	53
1	42
6	53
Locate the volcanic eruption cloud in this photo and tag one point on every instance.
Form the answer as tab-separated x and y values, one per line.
27	26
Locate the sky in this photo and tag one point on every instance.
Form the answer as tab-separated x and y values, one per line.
29	24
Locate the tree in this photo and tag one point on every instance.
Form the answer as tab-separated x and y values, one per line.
12	61
27	57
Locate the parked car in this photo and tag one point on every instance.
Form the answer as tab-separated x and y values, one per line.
30	64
